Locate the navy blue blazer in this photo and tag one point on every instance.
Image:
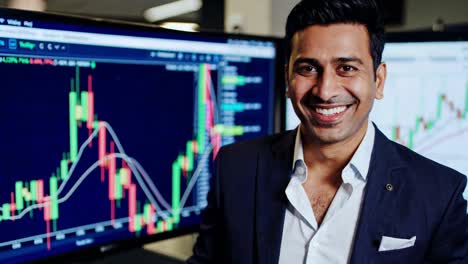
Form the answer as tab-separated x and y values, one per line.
243	222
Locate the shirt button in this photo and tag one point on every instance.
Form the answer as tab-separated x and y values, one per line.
389	187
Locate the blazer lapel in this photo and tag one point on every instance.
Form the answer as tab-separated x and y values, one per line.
273	171
384	183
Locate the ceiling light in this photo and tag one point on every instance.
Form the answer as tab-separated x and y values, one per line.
173	9
182	26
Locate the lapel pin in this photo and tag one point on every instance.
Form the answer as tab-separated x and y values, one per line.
389	187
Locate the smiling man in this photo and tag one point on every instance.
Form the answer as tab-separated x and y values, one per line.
335	190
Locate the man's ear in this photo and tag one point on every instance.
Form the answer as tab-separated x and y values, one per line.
381	76
286	78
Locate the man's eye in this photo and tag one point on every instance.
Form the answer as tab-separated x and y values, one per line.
347	68
306	69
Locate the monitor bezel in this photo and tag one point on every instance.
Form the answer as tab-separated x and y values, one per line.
100	250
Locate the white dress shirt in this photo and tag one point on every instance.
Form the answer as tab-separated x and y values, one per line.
303	240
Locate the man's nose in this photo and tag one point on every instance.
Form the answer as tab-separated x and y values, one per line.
327	86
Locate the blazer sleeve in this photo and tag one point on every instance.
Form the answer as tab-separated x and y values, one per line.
208	247
450	243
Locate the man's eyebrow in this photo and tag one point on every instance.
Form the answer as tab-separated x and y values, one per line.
348	59
306	60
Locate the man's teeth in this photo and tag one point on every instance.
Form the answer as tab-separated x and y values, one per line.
330	111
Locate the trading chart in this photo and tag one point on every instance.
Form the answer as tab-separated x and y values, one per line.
103	143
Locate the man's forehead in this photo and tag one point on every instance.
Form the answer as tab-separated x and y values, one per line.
336	40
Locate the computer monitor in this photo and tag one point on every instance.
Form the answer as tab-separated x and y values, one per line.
110	129
425	104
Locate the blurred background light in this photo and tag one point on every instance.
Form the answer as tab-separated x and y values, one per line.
181	26
173	9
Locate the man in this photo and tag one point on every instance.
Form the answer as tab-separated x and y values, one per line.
335	190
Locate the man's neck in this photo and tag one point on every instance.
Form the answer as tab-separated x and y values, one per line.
326	161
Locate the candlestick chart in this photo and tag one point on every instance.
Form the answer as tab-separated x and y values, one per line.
112	150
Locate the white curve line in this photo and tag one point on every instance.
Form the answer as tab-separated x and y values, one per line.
156	192
151	184
141	182
78	157
136	171
83	147
78	182
41	205
94	166
76	185
195	176
148	180
61	200
62	185
192	180
121	151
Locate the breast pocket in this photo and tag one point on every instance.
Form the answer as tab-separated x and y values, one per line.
388	243
408	255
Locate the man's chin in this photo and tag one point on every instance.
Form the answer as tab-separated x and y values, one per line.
324	134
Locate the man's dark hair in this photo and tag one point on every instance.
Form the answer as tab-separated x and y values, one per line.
326	12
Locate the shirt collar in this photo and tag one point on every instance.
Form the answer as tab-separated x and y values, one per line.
298	150
361	158
359	163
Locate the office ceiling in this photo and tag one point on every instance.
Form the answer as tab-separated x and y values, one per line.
126	9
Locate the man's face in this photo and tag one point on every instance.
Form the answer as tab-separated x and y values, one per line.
331	81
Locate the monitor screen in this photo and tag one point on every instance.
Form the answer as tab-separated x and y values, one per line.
109	130
425	104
